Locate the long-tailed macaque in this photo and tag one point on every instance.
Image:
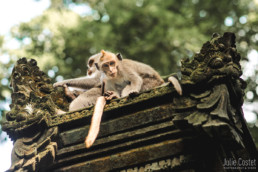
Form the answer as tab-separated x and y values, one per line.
123	77
84	83
84	90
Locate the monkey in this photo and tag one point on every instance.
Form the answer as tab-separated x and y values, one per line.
84	83
85	90
122	77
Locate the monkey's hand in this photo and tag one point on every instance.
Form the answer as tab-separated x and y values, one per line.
176	84
128	91
68	93
133	93
111	95
59	84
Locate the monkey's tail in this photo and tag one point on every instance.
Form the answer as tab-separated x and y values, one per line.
176	84
95	121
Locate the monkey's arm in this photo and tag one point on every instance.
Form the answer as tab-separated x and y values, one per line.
95	121
134	86
83	82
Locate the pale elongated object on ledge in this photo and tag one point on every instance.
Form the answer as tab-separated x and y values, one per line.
95	121
176	84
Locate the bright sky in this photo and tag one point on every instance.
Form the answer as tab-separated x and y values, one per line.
12	12
5	155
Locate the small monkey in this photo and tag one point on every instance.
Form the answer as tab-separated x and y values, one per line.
123	77
85	90
87	82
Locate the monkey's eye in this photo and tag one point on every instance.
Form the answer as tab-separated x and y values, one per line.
112	63
91	63
105	66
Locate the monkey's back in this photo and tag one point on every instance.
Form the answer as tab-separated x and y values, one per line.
150	76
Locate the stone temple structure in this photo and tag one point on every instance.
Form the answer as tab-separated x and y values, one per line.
157	130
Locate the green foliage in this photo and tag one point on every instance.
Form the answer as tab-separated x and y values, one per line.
158	32
1	41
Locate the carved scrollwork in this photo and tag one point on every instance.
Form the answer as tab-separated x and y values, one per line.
26	123
218	60
213	76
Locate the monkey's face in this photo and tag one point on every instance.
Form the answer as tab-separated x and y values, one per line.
110	68
91	64
108	63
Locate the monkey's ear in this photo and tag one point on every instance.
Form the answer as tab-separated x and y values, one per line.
97	66
103	52
119	56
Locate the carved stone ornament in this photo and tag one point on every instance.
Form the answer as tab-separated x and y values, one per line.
27	123
157	130
214	78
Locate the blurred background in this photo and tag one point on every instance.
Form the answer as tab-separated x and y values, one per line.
62	34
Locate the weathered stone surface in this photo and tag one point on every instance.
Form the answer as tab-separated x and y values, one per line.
157	130
128	158
144	117
31	109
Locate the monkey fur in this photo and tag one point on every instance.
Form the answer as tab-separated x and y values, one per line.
83	91
122	78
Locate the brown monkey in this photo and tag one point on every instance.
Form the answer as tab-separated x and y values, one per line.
122	78
85	90
84	83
